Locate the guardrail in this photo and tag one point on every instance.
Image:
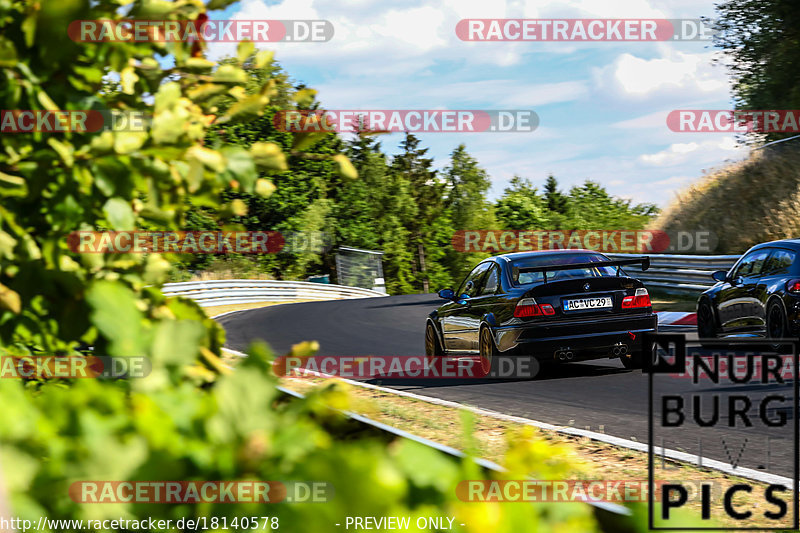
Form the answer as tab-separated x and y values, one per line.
608	514
684	273
239	291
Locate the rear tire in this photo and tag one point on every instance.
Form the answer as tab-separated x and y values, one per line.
777	324
634	362
706	327
432	346
488	352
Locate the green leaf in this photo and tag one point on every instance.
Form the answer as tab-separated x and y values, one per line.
128	79
7	244
8	54
12	185
29	29
63	149
198	64
240	166
238	207
219	4
209	158
264	188
229	74
167	96
10	300
345	167
177	341
264	58
205	91
117	317
302	141
119	214
126	142
157	9
305	97
269	155
46	101
244	50
247	109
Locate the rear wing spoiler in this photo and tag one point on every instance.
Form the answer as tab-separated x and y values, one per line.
644	261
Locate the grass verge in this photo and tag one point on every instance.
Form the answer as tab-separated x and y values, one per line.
490	439
672	301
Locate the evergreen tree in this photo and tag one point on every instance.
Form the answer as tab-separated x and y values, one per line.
427	191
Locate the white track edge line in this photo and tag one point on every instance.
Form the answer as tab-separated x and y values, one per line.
747	473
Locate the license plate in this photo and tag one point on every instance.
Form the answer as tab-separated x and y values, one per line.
588	303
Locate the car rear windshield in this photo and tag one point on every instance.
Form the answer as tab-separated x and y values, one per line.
527	278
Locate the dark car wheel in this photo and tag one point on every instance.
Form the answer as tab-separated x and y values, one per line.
633	362
488	351
705	322
706	328
636	359
432	346
777	325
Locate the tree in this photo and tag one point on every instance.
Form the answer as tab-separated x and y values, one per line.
468	185
521	207
427	191
762	40
556	202
591	207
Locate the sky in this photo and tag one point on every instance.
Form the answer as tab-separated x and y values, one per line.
602	106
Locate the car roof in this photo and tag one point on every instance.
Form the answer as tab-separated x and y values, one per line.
794	244
523	255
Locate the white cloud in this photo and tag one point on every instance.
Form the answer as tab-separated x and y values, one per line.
676	74
678	153
650	121
604	104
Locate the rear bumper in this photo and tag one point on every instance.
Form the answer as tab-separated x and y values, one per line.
591	338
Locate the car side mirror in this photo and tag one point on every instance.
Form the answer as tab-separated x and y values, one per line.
720	275
447	294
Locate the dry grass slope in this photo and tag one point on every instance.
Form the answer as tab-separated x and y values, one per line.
749	202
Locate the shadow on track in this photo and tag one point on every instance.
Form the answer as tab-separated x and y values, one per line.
552	373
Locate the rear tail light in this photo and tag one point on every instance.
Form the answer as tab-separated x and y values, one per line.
793	286
528	307
640	299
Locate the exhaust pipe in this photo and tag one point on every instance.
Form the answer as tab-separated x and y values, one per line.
619	349
564	354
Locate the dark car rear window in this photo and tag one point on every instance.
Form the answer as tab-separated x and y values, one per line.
526	278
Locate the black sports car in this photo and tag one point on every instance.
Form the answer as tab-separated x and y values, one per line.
758	296
556	306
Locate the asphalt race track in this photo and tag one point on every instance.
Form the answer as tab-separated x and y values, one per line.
599	395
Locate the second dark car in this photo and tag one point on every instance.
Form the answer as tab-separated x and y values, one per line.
758	296
556	306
